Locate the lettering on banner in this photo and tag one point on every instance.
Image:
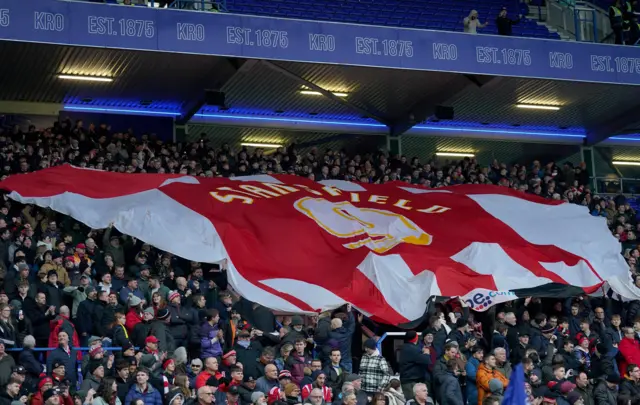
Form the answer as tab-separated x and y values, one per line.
442	51
46	21
503	56
190	32
619	64
4	17
481	299
385	47
259	38
322	42
560	60
124	27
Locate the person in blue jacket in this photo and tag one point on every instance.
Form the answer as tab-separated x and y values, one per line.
477	355
342	332
143	390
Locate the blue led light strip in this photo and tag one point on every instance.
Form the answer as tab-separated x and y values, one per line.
376	125
345	124
119	110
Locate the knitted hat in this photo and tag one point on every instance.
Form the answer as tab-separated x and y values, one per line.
95	352
370	344
284	374
315	374
256	396
43	381
50	393
229	353
133	300
212	381
566	387
573	397
162	314
93	366
297	321
411	336
149	310
173	395
613	379
173	295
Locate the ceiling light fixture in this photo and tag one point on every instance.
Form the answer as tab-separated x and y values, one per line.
538	107
261	145
85	78
623	163
455	154
317	93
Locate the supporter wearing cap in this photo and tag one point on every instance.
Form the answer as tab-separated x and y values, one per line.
55	263
44	384
247	351
53	289
144	276
161	327
135	312
144	328
518	352
141	389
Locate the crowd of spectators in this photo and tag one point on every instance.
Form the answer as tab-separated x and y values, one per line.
156	329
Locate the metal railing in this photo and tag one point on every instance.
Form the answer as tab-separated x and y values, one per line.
577	19
615	185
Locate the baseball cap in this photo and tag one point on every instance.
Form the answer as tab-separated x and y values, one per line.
19	369
151	339
57	364
233	390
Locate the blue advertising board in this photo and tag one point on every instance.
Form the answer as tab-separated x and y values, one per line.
141	28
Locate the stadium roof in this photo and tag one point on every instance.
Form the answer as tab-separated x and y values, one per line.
176	83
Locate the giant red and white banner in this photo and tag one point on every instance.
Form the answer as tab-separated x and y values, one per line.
297	245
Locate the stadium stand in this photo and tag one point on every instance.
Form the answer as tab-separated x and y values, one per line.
134	310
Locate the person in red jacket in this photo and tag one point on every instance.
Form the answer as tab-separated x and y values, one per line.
63	323
629	349
44	384
135	314
210	370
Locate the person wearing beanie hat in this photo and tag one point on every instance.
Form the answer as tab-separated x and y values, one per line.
168	377
247	389
175	397
374	368
258	398
45	383
96	374
606	390
134	314
413	364
173	295
574	398
319	379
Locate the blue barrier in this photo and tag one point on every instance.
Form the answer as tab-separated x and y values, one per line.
244	36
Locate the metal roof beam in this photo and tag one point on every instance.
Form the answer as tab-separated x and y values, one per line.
613	126
326	93
425	108
221	73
